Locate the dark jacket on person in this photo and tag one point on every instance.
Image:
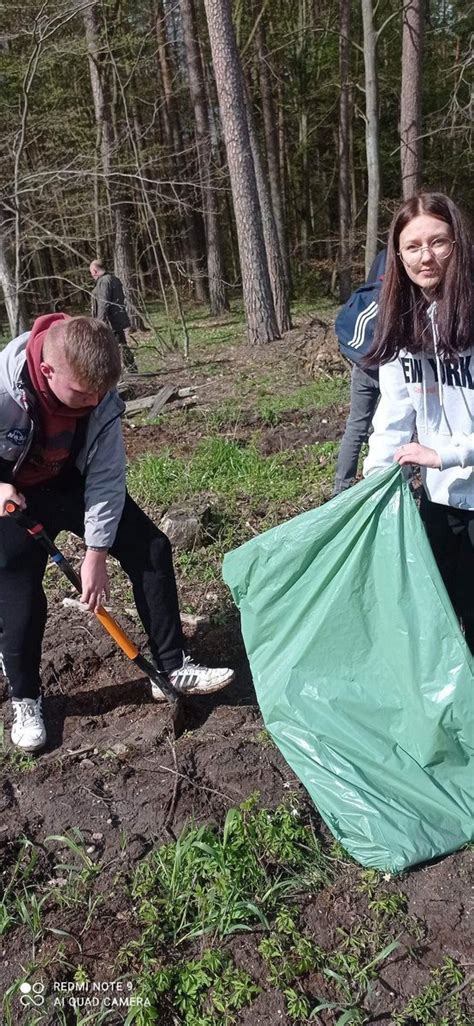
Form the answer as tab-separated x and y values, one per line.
108	302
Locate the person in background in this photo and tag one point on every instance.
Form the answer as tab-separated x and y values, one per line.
108	305
424	347
365	395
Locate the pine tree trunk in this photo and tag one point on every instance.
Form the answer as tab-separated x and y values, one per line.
410	107
371	134
215	267
345	219
270	125
193	232
278	279
260	312
119	203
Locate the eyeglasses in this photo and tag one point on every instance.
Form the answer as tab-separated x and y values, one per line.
440	248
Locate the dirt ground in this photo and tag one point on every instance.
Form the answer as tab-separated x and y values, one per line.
111	768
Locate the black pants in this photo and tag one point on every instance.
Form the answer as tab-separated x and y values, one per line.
451	535
142	550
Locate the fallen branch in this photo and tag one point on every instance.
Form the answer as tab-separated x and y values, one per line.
156	401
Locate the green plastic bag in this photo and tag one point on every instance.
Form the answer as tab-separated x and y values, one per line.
362	673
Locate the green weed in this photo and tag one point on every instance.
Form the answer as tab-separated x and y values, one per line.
76	844
222	883
287	952
12	759
204	992
19	904
389	904
297	1005
263	738
424	1008
225	415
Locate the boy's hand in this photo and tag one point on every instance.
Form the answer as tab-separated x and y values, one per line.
8	493
420	455
95	581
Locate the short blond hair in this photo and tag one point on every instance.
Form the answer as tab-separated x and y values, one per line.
89	348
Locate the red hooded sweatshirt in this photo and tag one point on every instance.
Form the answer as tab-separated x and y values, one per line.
52	445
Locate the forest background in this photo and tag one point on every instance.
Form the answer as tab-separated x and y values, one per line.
204	148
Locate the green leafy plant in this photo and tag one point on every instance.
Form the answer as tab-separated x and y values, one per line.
287	952
442	990
203	992
208	882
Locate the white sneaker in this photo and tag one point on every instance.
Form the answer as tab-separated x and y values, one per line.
28	732
192	679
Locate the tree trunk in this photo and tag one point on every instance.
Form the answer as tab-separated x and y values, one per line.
344	195
258	301
371	134
215	265
194	253
120	204
278	279
271	141
410	107
14	298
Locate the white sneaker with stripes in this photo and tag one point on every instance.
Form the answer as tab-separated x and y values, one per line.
28	730
192	679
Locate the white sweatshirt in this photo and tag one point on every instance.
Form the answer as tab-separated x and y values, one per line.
435	397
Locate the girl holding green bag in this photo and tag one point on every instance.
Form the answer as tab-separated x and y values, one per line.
425	347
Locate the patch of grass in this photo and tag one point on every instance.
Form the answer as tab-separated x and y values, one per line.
321	305
196	565
204	331
226	414
18	883
320	394
221	467
317	395
222	883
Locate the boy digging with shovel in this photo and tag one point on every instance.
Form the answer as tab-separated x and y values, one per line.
62	458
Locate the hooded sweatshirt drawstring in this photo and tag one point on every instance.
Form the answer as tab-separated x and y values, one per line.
432	313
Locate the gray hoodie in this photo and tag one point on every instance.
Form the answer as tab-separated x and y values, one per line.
101	459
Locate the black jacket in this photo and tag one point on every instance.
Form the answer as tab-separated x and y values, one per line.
108	302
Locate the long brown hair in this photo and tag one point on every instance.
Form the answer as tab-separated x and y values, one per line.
401	320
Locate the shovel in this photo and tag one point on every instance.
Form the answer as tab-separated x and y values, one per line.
38	533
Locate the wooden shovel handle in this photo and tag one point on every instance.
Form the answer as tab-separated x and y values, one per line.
117	633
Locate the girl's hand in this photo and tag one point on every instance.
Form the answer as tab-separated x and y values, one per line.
420	455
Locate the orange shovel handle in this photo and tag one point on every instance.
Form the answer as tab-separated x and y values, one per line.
117	633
